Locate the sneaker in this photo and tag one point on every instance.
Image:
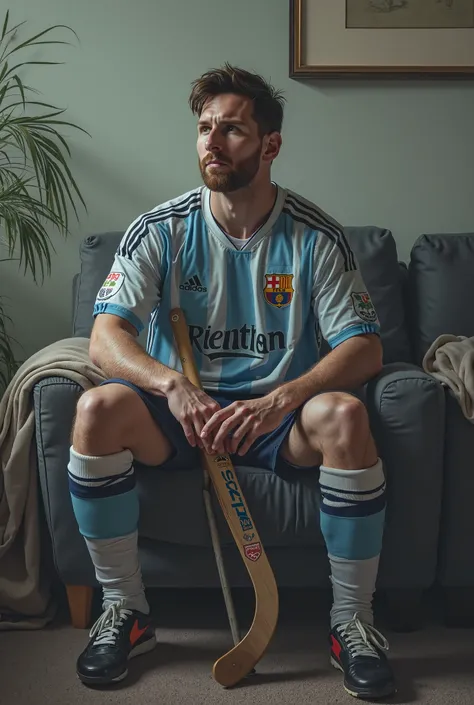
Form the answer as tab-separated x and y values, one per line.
118	635
357	650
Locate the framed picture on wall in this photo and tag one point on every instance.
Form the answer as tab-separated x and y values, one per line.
382	38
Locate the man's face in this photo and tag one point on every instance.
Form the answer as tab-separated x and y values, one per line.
229	146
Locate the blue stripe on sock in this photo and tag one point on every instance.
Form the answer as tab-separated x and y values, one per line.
353	538
106	490
103	480
107	517
357	509
361	493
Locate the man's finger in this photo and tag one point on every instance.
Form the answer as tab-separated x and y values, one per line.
215	420
201	416
189	433
223	432
240	433
208	411
198	426
207	442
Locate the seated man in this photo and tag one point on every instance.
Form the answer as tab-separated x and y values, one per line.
261	273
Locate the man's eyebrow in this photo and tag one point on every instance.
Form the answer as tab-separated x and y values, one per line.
224	121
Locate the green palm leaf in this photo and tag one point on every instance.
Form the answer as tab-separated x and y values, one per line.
38	192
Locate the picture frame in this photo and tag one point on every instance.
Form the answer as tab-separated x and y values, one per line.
381	39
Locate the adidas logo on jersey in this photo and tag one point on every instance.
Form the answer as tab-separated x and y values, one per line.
193	284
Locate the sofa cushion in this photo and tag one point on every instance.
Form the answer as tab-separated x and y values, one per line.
441	288
376	253
285	509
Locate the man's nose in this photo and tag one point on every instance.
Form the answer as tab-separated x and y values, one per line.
213	141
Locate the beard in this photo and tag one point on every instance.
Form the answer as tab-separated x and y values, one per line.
232	179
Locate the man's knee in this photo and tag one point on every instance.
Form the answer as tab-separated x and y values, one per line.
111	418
336	416
94	405
102	409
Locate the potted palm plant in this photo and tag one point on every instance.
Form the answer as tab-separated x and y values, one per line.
38	192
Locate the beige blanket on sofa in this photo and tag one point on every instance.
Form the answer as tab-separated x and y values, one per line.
451	360
25	600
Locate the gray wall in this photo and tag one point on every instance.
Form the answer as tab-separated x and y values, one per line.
398	155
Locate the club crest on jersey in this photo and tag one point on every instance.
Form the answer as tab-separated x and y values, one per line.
253	551
279	289
363	306
111	286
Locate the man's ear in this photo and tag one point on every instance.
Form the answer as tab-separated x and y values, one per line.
272	145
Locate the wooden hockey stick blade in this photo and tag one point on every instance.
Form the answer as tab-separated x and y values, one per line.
239	661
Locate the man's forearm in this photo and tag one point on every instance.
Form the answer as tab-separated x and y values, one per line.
348	366
119	354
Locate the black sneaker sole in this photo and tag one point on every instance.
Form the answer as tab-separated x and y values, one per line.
143	648
365	693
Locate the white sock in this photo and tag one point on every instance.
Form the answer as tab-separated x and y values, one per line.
105	503
118	571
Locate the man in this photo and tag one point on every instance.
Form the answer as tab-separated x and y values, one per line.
260	273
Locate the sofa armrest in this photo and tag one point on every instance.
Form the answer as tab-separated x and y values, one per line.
407	412
55	400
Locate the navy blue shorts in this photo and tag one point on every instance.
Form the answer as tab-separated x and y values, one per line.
263	453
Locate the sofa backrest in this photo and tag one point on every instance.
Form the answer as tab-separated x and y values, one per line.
374	249
441	289
376	252
96	254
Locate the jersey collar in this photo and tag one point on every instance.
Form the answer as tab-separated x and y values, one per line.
257	237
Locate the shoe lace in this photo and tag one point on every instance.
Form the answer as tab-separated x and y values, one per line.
106	629
362	638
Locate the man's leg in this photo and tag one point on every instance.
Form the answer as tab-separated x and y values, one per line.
332	430
112	427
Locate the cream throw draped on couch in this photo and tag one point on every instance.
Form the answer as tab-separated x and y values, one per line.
25	597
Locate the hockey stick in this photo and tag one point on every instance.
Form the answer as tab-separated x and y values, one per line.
239	661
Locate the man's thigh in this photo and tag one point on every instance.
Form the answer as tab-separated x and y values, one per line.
183	455
262	454
281	449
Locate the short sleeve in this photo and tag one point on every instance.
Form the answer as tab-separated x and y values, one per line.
132	289
341	302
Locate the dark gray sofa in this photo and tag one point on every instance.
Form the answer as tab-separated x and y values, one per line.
407	411
441	294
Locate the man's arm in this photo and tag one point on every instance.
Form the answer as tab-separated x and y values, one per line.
114	348
347	320
349	365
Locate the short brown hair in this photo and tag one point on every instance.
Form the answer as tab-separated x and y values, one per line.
268	102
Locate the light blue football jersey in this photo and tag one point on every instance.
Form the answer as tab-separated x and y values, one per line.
255	315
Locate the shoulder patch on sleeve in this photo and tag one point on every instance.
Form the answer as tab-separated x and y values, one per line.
363	306
111	286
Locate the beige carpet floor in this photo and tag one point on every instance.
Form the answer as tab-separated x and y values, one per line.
434	666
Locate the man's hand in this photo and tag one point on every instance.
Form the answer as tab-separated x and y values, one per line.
246	420
192	408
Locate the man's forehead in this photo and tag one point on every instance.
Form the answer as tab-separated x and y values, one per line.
227	107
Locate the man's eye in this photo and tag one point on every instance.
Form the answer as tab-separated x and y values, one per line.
203	130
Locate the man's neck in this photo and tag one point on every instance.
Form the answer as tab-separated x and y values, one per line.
243	212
